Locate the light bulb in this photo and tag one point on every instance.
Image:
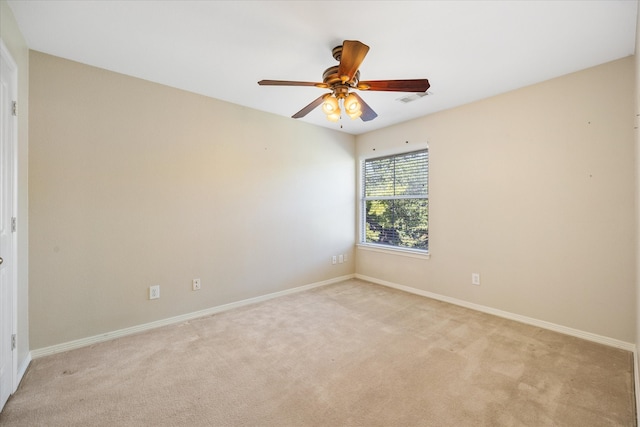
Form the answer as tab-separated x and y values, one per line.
352	106
351	103
330	105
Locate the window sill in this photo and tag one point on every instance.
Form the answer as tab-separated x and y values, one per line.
411	253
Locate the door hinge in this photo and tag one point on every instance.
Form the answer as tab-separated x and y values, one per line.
13	342
14	111
14	224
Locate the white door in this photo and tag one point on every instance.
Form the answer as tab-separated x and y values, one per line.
8	286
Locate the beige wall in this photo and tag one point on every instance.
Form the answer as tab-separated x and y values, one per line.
534	190
134	184
12	38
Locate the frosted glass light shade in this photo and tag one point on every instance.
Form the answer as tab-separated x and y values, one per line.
330	105
352	106
334	117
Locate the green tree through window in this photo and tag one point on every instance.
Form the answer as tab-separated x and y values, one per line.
395	202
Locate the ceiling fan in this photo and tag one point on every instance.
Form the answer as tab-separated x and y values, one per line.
343	79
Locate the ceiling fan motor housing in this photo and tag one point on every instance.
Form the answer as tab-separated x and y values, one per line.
331	77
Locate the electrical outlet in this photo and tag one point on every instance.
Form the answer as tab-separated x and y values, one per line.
344	257
340	259
154	292
475	279
334	259
196	284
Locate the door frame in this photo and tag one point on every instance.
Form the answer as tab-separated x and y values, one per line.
13	201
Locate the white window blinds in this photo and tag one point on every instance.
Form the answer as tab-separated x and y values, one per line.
395	200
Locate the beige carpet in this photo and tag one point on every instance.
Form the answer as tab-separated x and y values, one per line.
349	354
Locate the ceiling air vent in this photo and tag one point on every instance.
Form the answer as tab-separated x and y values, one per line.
412	97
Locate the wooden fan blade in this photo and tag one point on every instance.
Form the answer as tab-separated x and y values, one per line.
290	83
367	112
415	85
306	110
353	53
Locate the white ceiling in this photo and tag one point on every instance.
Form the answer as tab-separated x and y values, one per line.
468	50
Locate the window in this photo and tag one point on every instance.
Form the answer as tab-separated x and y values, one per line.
395	201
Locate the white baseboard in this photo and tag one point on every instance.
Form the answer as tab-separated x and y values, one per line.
83	342
636	382
505	314
22	369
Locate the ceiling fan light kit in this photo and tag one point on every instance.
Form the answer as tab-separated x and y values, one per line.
352	107
343	79
330	105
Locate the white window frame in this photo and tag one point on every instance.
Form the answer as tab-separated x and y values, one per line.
373	247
